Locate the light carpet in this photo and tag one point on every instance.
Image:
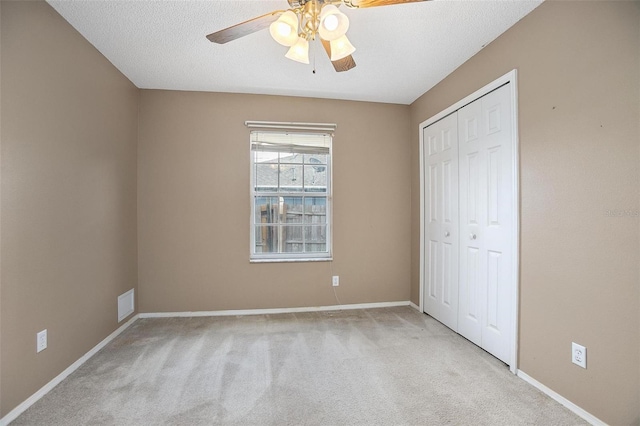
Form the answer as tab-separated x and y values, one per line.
389	366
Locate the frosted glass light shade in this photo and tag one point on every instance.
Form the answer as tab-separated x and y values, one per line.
333	23
285	29
341	48
299	52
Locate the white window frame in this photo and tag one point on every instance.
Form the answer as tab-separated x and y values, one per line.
292	128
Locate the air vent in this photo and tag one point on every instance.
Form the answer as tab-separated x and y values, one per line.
125	305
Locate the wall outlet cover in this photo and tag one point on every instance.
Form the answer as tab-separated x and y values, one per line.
335	281
41	341
578	355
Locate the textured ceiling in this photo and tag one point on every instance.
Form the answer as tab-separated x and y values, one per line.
402	50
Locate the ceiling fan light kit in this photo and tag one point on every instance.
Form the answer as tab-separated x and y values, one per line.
305	20
296	27
333	23
285	29
300	51
341	48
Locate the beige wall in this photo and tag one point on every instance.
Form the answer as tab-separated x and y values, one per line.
578	66
193	204
68	165
68	195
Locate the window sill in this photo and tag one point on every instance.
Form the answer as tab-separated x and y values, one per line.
292	260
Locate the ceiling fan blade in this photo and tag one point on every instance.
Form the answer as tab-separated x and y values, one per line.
244	28
344	64
355	4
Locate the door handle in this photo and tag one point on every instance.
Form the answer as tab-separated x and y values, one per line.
472	236
446	233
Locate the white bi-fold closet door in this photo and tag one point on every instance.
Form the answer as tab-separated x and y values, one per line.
468	212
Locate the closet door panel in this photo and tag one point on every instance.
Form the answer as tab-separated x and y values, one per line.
441	221
472	205
497	149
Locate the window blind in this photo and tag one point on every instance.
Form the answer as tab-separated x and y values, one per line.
291	142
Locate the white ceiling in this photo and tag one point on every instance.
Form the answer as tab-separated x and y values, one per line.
402	50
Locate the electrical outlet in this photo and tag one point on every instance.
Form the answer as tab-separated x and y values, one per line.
579	355
41	341
335	281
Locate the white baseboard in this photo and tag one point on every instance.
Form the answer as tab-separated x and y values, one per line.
562	400
13	414
414	306
273	311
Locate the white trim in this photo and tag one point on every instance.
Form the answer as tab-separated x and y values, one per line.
290	259
510	77
422	201
274	310
328	196
13	414
515	242
561	399
328	127
416	307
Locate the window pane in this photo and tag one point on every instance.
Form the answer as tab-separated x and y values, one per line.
265	157
266	177
292	237
290	178
266	239
266	210
315	178
315	238
288	157
292	210
315	159
315	210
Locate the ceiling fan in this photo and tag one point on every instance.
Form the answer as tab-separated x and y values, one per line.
305	20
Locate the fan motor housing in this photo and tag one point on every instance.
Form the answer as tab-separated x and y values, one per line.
300	3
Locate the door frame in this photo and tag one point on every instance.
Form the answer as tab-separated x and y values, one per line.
512	78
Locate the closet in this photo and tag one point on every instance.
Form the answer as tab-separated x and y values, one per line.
469	214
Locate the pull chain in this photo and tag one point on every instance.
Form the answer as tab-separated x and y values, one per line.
313	52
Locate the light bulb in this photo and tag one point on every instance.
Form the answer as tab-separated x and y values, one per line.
283	29
333	23
330	22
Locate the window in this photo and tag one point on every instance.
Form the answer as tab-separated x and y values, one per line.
291	193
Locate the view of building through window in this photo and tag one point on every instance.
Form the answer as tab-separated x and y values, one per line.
290	187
